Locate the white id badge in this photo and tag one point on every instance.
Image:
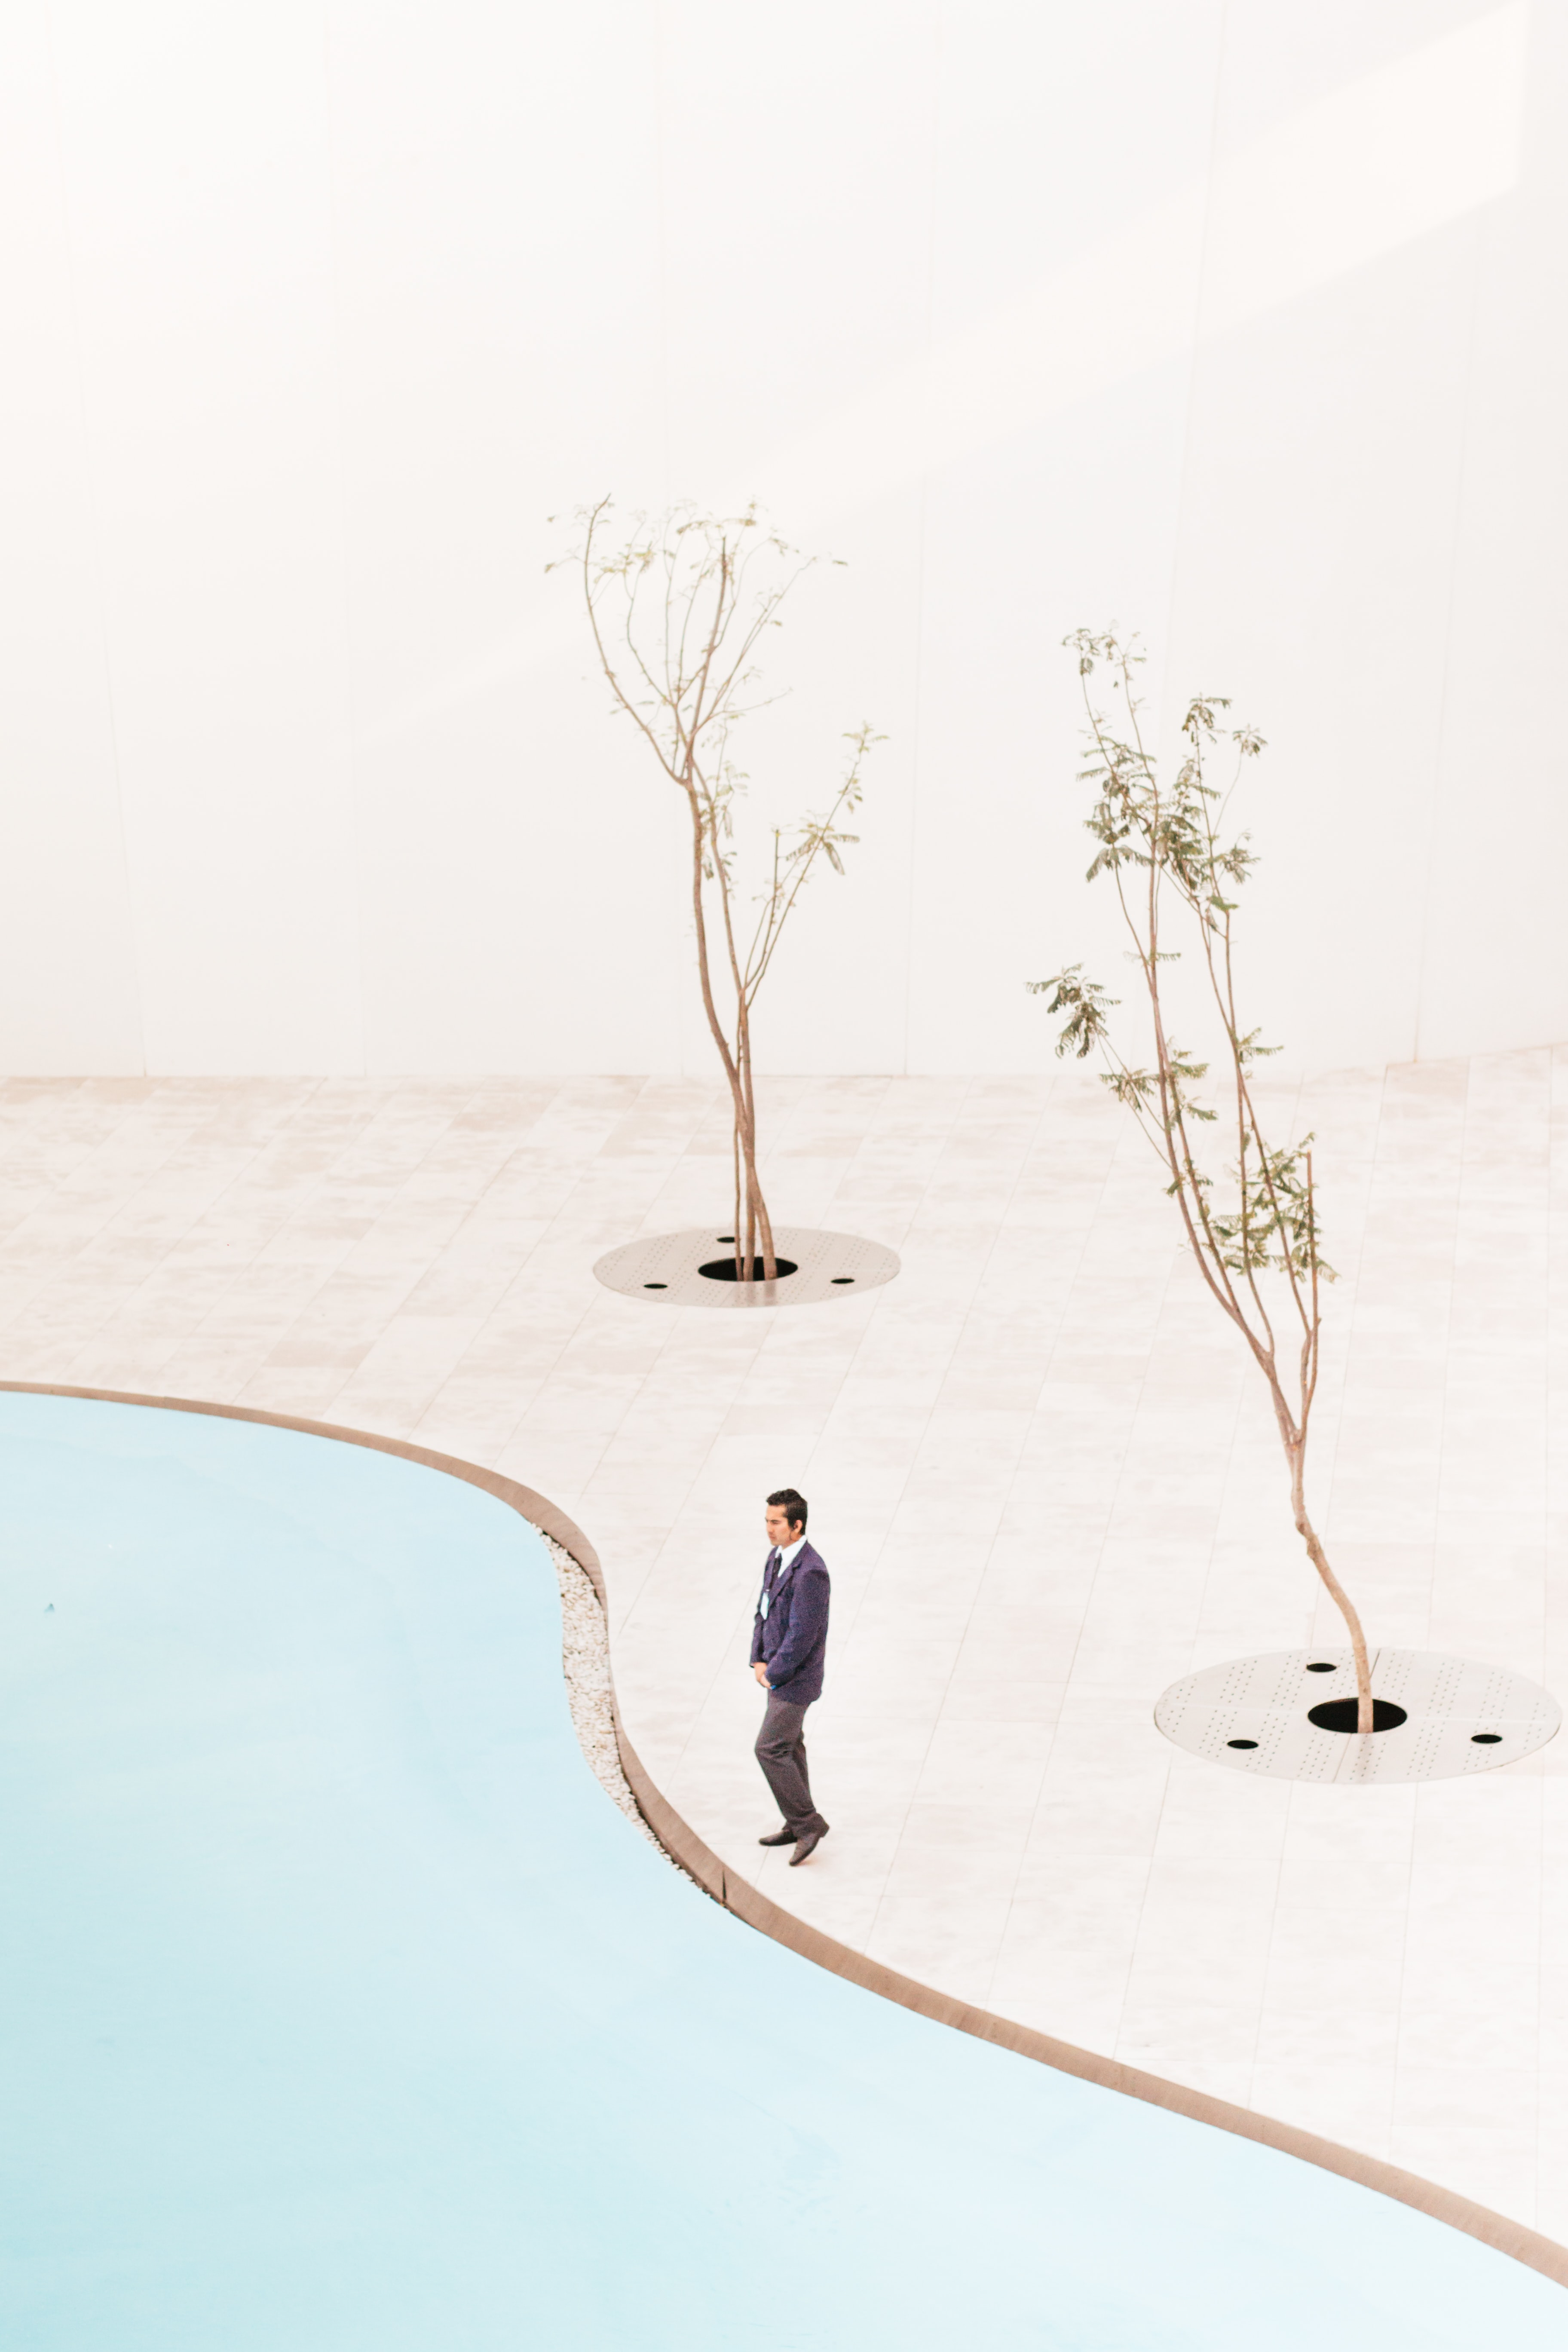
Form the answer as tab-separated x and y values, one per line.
763	1606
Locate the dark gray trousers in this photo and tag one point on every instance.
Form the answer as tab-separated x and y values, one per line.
781	1752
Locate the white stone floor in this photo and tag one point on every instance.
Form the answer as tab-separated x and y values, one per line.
1042	1476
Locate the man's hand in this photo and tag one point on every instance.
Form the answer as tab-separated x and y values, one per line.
761	1673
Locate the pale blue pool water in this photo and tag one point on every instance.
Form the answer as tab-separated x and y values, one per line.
342	2009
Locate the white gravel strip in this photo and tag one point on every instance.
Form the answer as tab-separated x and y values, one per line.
585	1658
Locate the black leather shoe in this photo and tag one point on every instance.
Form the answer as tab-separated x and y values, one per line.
806	1844
779	1837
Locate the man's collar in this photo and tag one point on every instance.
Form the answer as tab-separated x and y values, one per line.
788	1559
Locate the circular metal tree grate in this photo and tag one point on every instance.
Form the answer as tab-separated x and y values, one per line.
668	1268
1291	1716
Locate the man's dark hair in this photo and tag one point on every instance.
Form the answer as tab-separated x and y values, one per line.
786	1500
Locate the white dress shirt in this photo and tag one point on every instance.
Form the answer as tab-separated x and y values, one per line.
786	1560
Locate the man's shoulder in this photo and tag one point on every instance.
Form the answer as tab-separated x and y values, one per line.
811	1558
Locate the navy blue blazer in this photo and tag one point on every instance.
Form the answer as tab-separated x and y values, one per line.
791	1640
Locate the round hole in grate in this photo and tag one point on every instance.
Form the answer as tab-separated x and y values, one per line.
1340	1715
1486	1738
1321	1666
1241	1743
723	1269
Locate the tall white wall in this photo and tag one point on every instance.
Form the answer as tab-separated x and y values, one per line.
1243	324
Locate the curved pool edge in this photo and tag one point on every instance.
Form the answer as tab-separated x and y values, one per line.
747	1903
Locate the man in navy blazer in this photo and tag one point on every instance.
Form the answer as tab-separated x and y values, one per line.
789	1641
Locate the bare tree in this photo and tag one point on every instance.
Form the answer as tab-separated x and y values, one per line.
1262	1243
678	614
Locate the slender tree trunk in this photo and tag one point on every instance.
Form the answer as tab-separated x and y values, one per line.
759	1225
748	1148
1294	1454
735	1219
738	1070
765	1227
745	1189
